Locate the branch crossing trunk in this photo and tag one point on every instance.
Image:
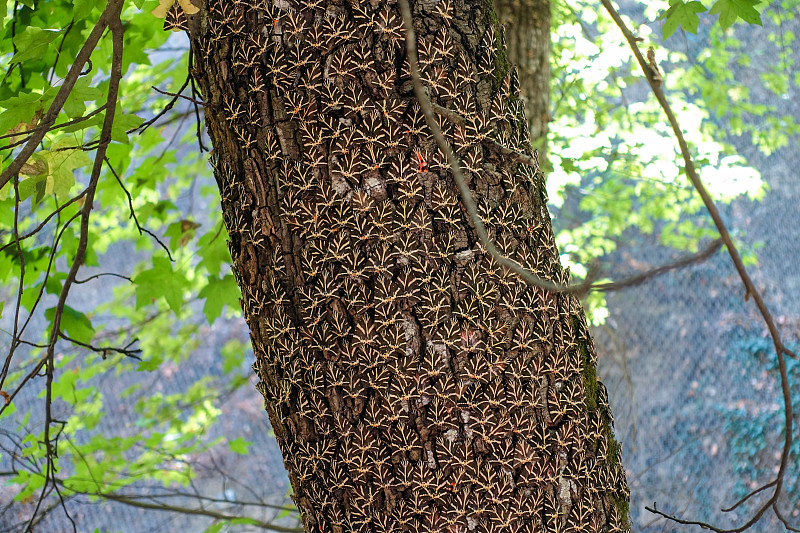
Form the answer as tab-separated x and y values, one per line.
412	383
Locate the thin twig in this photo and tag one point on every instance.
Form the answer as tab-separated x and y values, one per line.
104	350
200	497
178	95
21	256
90	278
195	93
133	211
748	496
142	127
14	48
187	510
58	52
16	339
38	228
76	120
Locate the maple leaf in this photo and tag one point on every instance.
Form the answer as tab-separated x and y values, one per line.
219	293
681	14
56	167
730	10
160	281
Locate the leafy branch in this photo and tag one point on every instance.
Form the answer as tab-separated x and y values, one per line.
61	98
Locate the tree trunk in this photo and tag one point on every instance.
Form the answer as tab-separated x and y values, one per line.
527	32
411	383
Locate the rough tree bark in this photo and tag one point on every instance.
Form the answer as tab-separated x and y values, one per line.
412	384
527	35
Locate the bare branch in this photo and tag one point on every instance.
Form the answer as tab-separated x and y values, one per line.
699	257
134	502
455	118
627	282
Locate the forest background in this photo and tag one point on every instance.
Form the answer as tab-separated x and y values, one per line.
164	431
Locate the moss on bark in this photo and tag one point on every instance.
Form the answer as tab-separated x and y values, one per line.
614	447
501	62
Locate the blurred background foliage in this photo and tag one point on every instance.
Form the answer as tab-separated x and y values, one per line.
153	433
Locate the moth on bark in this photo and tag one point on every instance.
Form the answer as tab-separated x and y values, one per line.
412	383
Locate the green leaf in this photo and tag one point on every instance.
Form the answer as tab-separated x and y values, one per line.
239	445
212	249
73	323
81	9
32	43
683	15
54	284
218	293
9	410
150	364
160	281
122	123
730	10
61	162
81	92
20	110
180	233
